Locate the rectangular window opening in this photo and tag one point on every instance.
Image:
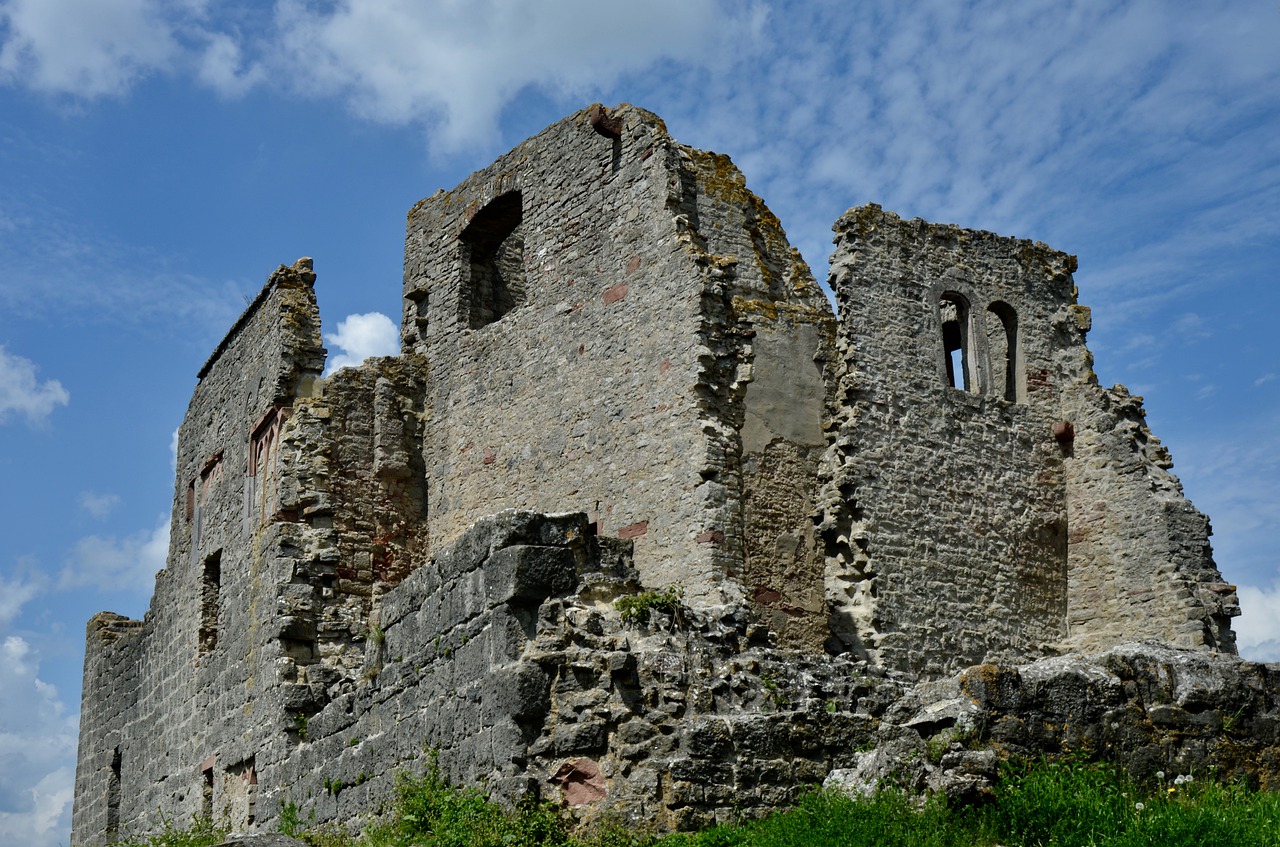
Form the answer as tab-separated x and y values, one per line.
210	598
113	797
206	799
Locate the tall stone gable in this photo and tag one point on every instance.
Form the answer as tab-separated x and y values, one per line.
985	497
617	379
613	323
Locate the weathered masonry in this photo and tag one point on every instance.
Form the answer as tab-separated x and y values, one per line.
617	377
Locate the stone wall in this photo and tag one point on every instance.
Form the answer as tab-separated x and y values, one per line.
111	675
608	371
504	660
946	520
1139	552
188	679
984	497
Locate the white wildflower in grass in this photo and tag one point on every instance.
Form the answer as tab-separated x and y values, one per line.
1139	806
1159	774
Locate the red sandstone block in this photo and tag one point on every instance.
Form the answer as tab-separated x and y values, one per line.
615	293
634	530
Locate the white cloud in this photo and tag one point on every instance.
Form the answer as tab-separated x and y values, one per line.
37	752
117	564
361	336
458	64
1258	627
16	592
440	63
1264	379
22	392
224	68
98	505
86	48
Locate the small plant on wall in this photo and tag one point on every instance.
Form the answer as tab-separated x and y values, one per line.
638	608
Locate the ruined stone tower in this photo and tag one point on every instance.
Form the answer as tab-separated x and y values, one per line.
985	496
617	376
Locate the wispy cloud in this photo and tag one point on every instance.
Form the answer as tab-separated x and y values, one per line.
110	563
1236	478
16	592
361	336
45	255
98	505
23	393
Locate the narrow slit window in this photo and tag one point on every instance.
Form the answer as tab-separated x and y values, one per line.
113	797
493	261
1002	342
954	317
206	790
210	598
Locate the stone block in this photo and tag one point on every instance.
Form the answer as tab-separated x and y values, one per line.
518	691
528	575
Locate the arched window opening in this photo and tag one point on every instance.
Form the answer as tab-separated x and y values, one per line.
493	261
954	315
1002	342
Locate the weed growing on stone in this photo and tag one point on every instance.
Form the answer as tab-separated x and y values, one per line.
300	725
637	608
291	819
430	811
200	833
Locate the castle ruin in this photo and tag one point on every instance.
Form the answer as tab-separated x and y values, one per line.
617	379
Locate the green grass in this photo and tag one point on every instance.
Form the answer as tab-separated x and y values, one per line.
200	833
1063	804
1038	804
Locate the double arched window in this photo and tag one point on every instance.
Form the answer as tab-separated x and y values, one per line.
981	359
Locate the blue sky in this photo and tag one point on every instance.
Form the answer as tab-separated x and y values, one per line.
159	159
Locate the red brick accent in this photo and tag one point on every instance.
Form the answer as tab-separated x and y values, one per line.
765	596
664	366
489	456
633	265
1038	378
615	293
635	530
711	536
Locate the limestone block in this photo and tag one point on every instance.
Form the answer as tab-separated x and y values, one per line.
527	574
